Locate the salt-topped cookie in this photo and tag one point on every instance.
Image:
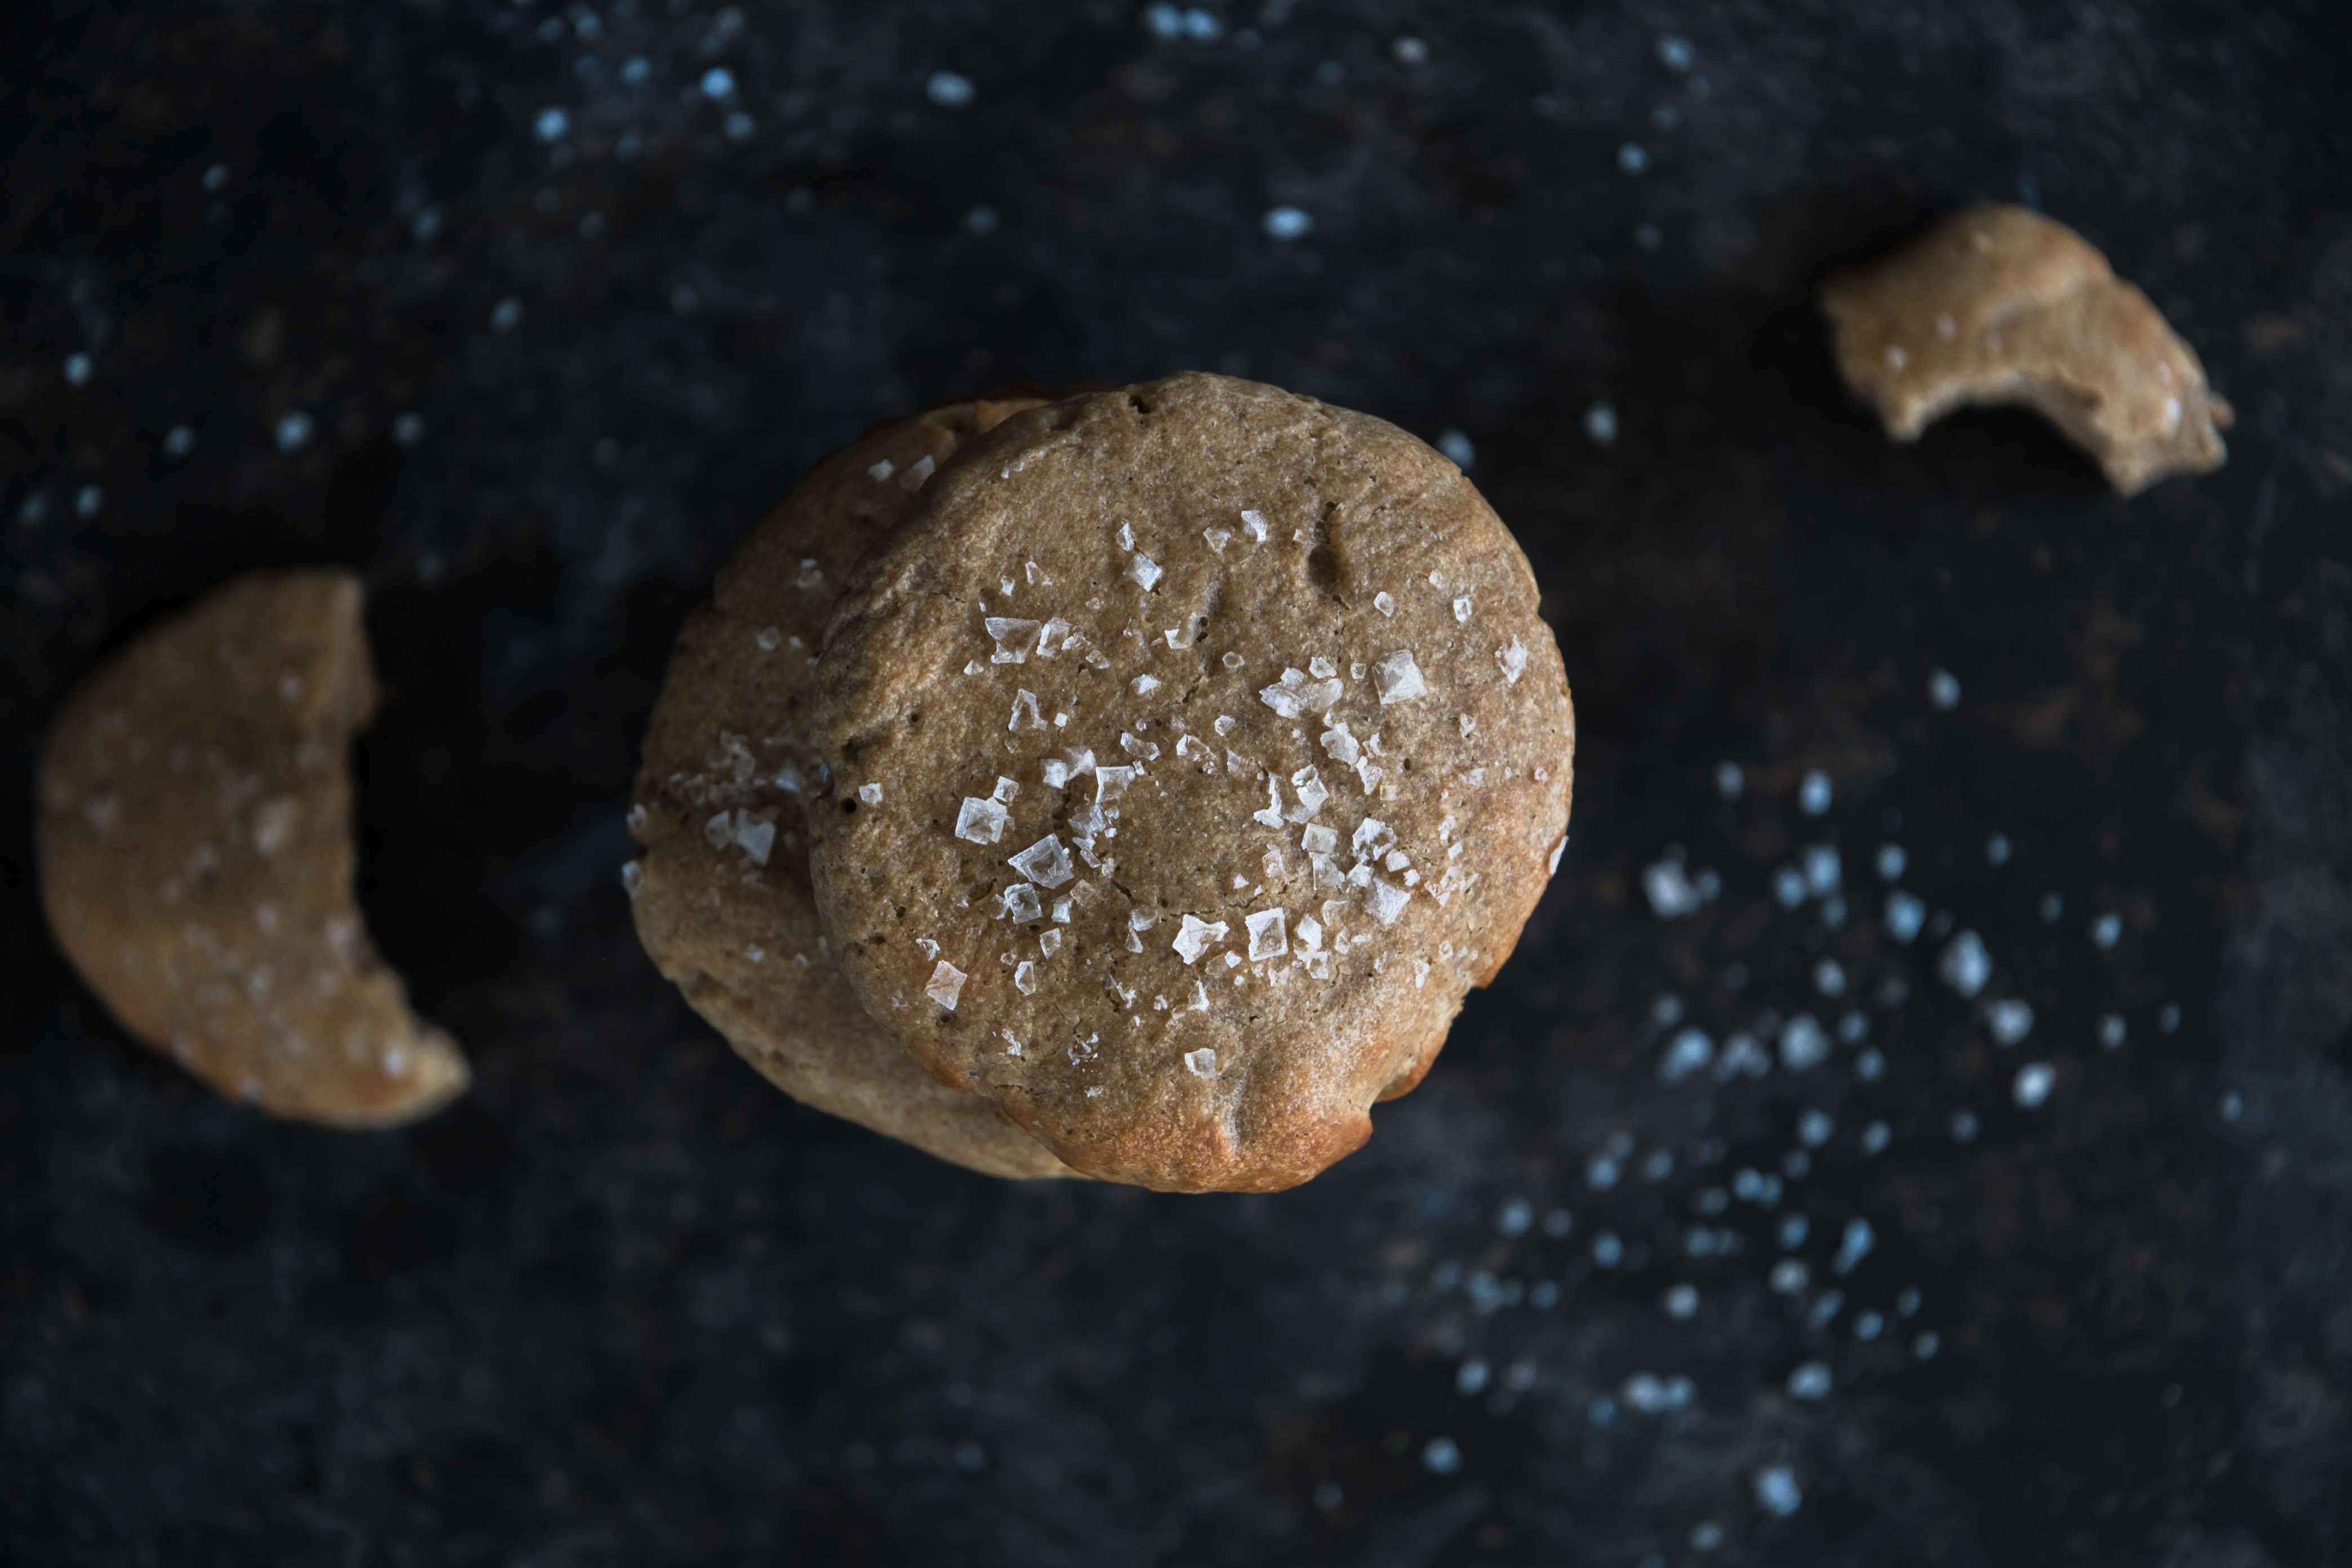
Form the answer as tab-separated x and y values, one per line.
721	893
1191	752
194	838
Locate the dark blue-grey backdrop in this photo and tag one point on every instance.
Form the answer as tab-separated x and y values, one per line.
562	296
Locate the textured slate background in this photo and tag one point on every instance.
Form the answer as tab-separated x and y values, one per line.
626	1305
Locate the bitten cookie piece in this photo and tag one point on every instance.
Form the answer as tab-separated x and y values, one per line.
1998	304
195	854
721	894
1192	751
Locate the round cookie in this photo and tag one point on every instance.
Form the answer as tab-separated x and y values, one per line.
1191	752
721	894
195	839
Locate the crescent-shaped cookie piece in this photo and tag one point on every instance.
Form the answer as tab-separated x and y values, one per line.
194	832
1999	304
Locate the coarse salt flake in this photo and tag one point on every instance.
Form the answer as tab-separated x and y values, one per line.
1268	934
1398	678
981	821
947	984
1196	937
1045	863
1512	660
1201	1063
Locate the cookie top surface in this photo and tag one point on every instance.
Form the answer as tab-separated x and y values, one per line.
1193	749
194	832
721	894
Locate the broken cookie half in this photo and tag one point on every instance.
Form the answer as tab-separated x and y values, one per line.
1999	304
194	830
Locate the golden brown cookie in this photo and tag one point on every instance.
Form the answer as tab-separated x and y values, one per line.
721	894
194	841
1998	304
1192	751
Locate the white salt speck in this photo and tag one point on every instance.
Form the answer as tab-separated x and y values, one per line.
1814	793
1018	903
1410	52
1803	1043
88	502
950	90
2112	1032
917	473
551	124
1926	1346
1824	870
78	368
2233	1106
1681	1302
1387	901
1144	570
2011	1021
1875	1137
2168	1018
1891	861
2032	1084
2106	931
1669	889
1462	609
293	432
1829	977
1810	1380
1254	524
1384	602
1964	1126
1675	52
179	441
1441	1457
768	638
1024	978
1601	424
1398	678
881	470
1512	660
1790	1277
1632	159
1815	1128
870	793
1218	538
1686	1053
1144	685
1024	702
1944	689
1869	1326
1201	1063
1964	965
947	984
1997	849
1457	449
633	878
1286	223
506	315
1904	916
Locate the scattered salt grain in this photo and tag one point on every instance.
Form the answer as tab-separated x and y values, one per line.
2106	931
2112	1032
1814	793
1730	780
981	821
1964	965
1810	1380
1669	889
1803	1043
1512	660
1904	916
1195	938
1944	689
1287	222
2033	1085
950	90
1601	424
2011	1021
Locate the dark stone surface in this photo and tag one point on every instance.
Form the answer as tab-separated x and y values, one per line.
626	1305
